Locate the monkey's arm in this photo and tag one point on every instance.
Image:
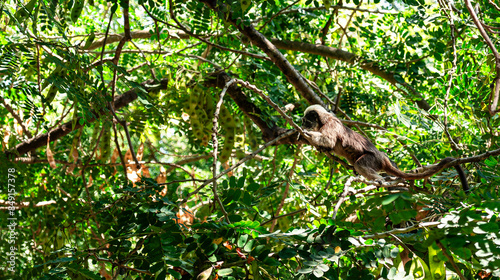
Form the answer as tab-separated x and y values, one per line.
326	137
320	141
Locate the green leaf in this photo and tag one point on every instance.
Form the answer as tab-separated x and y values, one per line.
89	40
249	246
245	4
243	240
306	270
287	253
490	227
491	161
75	268
253	187
389	199
318	273
174	273
225	271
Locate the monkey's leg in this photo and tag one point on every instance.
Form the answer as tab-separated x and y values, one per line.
368	166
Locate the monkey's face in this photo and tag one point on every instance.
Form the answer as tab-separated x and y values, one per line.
311	121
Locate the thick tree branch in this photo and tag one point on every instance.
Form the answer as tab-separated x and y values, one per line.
64	129
269	129
259	40
339	54
325	51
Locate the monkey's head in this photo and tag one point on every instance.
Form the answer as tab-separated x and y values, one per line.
315	116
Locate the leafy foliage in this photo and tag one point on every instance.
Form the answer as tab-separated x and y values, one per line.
112	111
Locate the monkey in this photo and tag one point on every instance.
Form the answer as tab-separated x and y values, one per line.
328	134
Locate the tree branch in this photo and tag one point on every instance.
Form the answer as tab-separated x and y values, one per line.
495	92
368	65
325	51
259	40
142	34
64	129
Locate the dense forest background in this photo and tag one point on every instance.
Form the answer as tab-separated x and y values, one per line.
157	139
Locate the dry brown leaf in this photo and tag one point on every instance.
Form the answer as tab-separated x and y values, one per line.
18	128
162	177
128	157
115	155
133	175
145	171
50	156
184	217
140	152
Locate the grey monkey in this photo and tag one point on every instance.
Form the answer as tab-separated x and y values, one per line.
329	134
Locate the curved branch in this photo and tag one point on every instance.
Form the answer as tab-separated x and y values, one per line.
495	92
322	50
269	129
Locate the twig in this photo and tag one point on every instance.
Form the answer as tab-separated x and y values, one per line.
326	186
122	160
343	197
277	14
451	73
344	33
101	61
490	28
495	94
284	215
336	7
337	101
243	160
216	146
402	230
494	5
287	189
123	123
450	259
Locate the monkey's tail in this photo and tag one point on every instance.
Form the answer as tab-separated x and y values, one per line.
433	169
389	168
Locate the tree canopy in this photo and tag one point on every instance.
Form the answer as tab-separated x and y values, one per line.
161	139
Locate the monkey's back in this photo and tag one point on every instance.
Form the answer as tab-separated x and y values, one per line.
352	145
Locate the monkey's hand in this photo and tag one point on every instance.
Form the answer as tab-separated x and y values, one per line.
314	137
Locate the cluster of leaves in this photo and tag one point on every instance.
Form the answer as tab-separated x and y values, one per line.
86	211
